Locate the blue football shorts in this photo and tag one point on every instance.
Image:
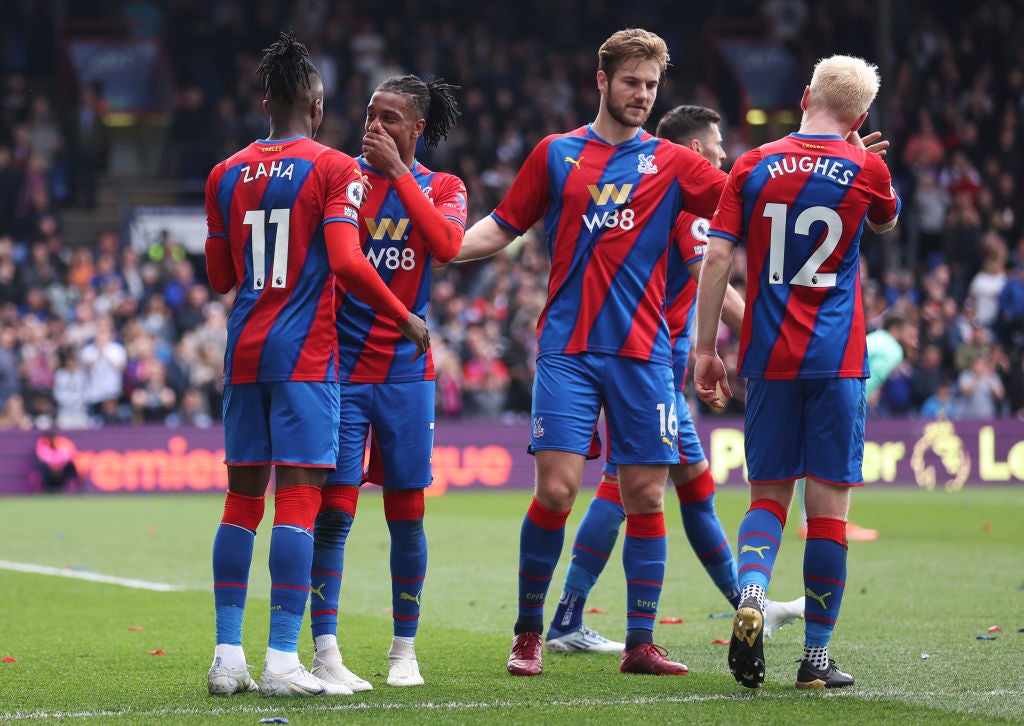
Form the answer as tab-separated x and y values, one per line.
690	449
807	427
637	395
401	417
292	423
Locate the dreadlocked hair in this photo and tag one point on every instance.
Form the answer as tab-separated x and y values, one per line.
285	67
433	100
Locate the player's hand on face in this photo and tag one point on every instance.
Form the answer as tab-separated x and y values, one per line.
381	152
710	380
415	329
874	142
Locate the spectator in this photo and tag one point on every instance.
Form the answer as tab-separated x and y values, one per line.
13	415
104	361
70	385
940	405
979	390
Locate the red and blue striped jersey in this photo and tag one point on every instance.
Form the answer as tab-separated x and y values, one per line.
607	210
271	201
371	347
689	240
799	205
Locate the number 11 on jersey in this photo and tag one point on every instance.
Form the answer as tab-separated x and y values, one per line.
257	219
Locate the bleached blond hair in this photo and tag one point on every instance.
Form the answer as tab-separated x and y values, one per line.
844	85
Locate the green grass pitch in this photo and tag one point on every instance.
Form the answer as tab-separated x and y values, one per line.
946	568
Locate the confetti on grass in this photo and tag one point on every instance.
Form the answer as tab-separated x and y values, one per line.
596	611
986	637
276	719
9	659
157	652
719	641
136	627
925	656
670	621
995	629
720	615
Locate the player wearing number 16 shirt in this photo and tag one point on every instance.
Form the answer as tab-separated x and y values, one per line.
608	193
799	206
282	216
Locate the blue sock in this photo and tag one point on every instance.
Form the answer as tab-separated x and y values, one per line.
408	569
291	554
643	558
540	544
595	540
232	557
824	578
759	539
329	536
711	545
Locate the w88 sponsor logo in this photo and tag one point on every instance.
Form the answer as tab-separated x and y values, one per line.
392	258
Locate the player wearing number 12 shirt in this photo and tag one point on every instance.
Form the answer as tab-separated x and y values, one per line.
799	205
282	215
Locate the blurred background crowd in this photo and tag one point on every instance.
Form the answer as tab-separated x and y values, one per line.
103	331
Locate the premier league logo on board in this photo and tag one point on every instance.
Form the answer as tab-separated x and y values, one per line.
646	164
538	427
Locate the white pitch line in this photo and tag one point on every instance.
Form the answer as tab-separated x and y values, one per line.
91	576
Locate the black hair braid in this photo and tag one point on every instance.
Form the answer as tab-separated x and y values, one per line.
284	67
433	100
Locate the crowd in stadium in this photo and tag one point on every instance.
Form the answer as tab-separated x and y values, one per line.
107	333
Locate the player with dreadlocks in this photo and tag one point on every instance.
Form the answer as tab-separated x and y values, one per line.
411	217
282	215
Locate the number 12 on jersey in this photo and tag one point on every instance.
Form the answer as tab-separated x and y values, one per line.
257	219
808	275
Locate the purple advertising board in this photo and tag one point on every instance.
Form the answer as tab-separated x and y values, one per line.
478	454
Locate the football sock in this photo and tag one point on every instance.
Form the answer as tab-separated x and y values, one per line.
595	540
540	544
638	636
643	558
706	535
333	523
231	656
291	557
232	557
328	641
281	661
759	538
817	657
756	592
403	510
824	578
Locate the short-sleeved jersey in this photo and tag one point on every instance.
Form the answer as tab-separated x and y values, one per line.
607	210
689	241
799	205
271	201
371	347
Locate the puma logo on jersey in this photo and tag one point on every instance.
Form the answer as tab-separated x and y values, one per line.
759	550
817	598
413	598
574	162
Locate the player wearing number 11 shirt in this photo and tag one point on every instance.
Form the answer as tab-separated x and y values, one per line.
799	205
282	215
